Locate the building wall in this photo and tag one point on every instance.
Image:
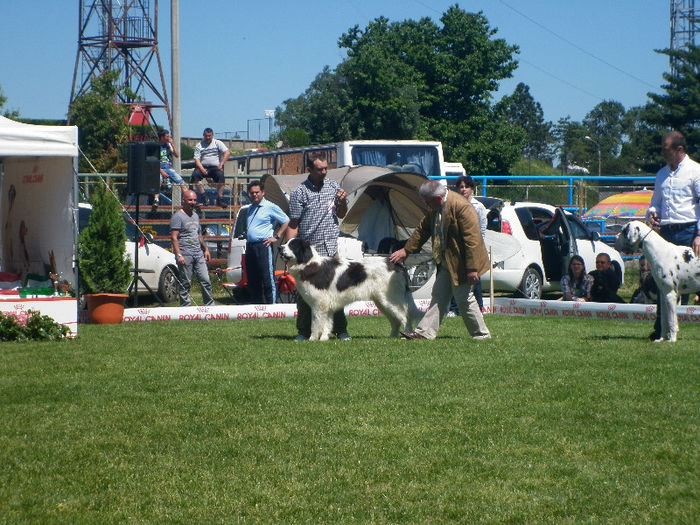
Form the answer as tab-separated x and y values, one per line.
231	144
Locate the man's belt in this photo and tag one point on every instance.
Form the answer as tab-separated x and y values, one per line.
677	226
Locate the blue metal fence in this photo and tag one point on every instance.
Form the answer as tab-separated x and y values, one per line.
571	181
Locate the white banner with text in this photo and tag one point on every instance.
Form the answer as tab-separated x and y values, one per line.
502	306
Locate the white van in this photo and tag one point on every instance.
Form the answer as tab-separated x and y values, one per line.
454	169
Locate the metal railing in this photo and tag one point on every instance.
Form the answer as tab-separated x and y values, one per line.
574	191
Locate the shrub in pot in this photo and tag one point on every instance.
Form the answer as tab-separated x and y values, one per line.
105	271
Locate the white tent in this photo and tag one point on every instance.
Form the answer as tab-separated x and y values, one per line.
381	202
38	192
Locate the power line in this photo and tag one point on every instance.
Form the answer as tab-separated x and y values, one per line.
563	80
575	46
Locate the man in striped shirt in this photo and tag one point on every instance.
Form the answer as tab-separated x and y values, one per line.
210	155
315	209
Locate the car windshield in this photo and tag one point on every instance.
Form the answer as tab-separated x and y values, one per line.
241	224
416	159
84	218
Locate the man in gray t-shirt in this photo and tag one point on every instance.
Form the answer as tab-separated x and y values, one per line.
191	253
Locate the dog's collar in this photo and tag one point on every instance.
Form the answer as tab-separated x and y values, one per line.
646	235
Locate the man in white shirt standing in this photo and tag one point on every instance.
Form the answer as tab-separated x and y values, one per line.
210	155
675	204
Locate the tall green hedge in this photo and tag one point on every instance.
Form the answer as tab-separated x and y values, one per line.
102	260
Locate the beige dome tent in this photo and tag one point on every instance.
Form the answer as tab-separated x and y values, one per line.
382	203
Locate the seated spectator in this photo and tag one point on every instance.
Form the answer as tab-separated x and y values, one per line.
210	155
167	151
646	291
576	284
168	175
606	281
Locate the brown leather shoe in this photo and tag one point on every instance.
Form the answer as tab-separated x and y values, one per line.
412	335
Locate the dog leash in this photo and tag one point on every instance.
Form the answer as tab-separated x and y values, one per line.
646	235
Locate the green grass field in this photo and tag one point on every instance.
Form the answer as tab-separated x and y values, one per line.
551	421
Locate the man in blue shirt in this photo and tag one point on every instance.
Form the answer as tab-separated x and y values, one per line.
263	217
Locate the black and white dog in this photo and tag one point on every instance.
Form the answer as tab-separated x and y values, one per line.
675	270
328	284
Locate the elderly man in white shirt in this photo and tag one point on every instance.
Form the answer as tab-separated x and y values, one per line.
675	204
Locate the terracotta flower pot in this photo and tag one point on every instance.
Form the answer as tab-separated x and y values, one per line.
106	308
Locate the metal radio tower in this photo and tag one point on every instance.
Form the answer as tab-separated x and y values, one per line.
684	26
121	35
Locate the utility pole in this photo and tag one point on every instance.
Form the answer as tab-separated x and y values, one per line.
597	147
175	89
684	26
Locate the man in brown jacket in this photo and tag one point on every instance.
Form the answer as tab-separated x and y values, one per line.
460	255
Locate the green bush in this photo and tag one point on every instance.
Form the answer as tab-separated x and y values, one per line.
102	260
32	327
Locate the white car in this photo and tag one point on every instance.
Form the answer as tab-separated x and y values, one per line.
529	258
157	266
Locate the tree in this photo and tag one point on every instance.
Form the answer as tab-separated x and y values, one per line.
640	148
381	75
469	65
102	261
679	108
604	124
7	113
321	110
571	144
102	124
522	110
416	80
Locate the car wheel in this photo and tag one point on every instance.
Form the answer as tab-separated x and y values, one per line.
419	275
167	285
531	285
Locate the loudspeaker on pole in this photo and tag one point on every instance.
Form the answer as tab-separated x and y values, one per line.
144	168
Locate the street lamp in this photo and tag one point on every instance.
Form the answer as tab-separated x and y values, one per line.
597	147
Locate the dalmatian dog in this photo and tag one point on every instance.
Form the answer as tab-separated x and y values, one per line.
328	284
675	270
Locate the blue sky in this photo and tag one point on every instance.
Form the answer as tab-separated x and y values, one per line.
240	58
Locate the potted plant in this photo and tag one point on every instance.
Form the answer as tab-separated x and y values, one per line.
105	271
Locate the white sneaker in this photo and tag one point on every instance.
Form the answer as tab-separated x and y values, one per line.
344	337
300	338
481	337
